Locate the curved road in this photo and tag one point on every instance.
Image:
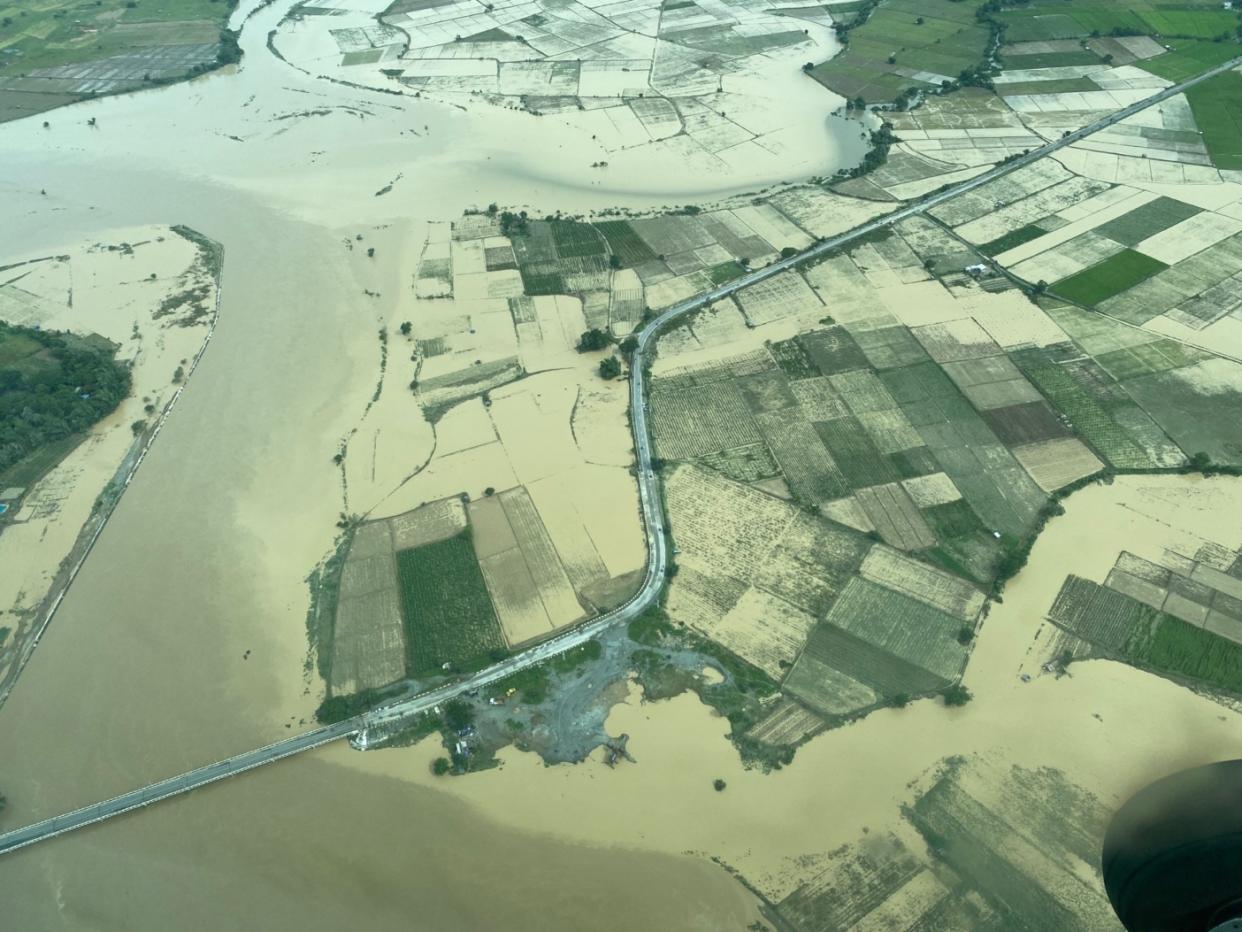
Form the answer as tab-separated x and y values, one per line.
653	522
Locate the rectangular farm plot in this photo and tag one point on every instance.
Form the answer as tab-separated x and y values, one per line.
856	455
783	295
942	591
899	625
1110	277
1147	637
818	399
1099	410
724	525
490	530
812	563
702	419
1056	463
956	340
811	472
368	646
788	723
765	631
551	581
513	592
1020	424
447	612
890	347
895	517
832	692
1132	228
832	350
992	382
836	663
428	523
625	243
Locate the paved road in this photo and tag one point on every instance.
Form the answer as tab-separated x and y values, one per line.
653	522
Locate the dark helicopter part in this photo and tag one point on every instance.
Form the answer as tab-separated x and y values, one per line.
1172	856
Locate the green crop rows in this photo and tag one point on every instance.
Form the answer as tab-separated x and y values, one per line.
1147	637
447	612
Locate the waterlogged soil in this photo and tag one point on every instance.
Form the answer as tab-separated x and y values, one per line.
1108	728
183	639
571	721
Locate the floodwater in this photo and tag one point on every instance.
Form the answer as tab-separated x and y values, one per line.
1110	728
182	640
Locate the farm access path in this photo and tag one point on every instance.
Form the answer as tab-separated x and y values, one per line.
386	716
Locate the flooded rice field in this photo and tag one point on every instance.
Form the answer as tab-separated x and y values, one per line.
183	638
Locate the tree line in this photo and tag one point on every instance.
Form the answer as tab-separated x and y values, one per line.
54	392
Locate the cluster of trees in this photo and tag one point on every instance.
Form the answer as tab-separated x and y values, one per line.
338	708
593	340
512	224
57	391
882	140
596	339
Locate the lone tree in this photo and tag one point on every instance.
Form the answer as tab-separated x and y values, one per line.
610	367
406	327
594	339
719	785
440	766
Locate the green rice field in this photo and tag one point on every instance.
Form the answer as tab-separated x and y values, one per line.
1105	279
1217	106
1147	637
1063	19
445	607
1189	57
1012	239
1132	228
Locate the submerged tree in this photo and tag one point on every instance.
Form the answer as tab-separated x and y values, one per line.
594	339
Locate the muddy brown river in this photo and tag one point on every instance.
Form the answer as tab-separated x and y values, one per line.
183	639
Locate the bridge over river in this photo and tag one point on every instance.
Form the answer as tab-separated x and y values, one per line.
657	554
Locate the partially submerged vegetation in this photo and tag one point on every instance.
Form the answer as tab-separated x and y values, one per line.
53	386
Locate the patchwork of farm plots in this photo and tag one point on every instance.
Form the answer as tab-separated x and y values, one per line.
455	583
1181	618
630	72
860	443
54	53
903	43
842	490
1160	279
982	846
